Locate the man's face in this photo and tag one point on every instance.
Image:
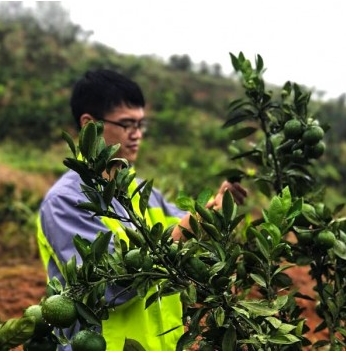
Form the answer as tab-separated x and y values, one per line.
129	135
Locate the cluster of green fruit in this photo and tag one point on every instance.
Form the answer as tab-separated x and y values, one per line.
306	139
59	311
323	239
313	231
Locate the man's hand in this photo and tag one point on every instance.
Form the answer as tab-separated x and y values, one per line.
239	195
238	192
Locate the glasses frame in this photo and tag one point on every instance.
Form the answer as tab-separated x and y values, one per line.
131	125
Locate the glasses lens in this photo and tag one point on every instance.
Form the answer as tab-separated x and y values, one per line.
143	125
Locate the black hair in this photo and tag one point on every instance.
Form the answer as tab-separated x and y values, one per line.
99	92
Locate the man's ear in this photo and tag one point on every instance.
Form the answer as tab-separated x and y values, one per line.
86	118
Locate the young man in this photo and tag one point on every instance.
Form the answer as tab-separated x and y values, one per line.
117	101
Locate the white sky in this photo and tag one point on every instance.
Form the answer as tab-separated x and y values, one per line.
299	40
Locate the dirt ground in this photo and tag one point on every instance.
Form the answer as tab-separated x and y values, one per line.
22	281
21	285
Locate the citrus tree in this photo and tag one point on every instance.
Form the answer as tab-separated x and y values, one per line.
231	270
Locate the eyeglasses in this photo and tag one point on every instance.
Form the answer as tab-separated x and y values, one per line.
130	125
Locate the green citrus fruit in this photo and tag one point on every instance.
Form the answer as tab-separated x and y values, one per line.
220	281
197	269
87	339
320	210
173	250
293	129
313	135
42	328
305	237
315	151
40	344
59	311
325	238
134	259
308	216
147	263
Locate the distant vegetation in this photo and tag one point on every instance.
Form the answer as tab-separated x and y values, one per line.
42	53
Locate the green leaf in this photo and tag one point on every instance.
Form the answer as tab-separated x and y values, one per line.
262	244
258	308
252	154
194	225
117	163
340	249
342	330
219	316
82	246
273	231
80	167
71	270
189	295
228	206
286	199
86	313
54	286
215	268
135	237
241	133
205	213
186	203
236	104
214	248
259	63
88	140
204	196
100	246
276	211
258	279
282	268
107	151
295	209
67	137
152	299
275	322
235	62
145	195
284	339
280	301
108	192
237	117
132	345
156	232
286	328
333	309
212	231
16	331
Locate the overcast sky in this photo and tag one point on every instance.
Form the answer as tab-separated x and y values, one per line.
299	40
